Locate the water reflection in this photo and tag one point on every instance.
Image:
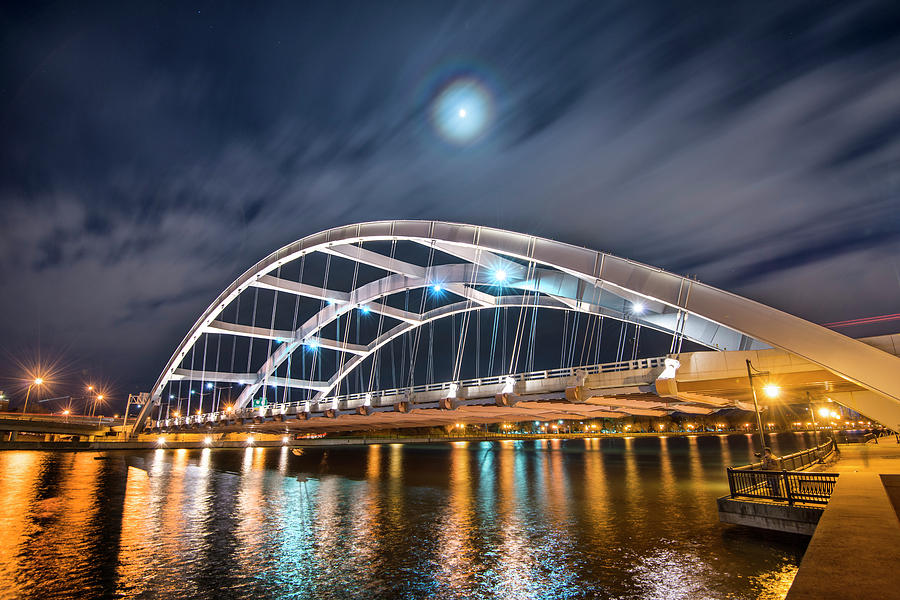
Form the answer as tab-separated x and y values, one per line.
594	518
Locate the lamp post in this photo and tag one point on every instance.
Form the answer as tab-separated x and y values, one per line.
771	391
37	381
812	415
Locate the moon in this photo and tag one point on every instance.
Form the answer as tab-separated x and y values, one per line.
461	111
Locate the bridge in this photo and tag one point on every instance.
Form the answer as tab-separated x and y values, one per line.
421	323
75	425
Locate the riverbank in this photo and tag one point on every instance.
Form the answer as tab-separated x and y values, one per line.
199	440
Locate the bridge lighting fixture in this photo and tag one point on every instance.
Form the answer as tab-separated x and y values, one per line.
193	392
249	440
160	441
207	441
65	412
176	414
229	409
437	288
312	344
285	440
637	308
500	276
171	396
771	390
209	385
365	309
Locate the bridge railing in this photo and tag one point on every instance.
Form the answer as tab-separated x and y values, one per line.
563	372
642	363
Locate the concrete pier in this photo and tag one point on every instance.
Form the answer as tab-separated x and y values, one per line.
770	515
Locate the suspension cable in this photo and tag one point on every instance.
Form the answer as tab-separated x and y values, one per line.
375	363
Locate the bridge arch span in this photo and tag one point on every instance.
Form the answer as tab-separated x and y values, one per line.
553	274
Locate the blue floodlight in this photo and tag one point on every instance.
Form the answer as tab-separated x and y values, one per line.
437	288
209	385
500	276
637	308
193	391
365	309
312	344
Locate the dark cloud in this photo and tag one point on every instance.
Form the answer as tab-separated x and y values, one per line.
152	153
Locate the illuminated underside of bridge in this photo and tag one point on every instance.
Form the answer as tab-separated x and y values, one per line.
423	323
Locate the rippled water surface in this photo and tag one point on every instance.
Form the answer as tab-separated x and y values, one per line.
595	518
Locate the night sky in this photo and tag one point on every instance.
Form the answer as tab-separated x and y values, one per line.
153	151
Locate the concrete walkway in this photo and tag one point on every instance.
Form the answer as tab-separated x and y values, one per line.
855	551
883	457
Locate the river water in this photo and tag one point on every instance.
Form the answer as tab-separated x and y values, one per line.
580	518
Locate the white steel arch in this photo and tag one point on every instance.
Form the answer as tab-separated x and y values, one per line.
571	276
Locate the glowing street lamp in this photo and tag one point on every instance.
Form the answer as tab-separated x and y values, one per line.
771	390
97	399
37	381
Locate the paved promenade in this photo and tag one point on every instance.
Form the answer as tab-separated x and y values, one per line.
855	552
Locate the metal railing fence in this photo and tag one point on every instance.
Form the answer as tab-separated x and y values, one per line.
782	482
782	486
